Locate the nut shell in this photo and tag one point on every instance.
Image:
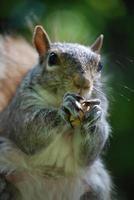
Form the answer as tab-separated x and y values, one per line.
85	106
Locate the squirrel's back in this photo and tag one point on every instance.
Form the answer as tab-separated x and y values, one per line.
16	57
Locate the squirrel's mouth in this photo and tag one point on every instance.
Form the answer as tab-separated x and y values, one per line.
85	92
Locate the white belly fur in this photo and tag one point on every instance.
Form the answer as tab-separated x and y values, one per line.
62	153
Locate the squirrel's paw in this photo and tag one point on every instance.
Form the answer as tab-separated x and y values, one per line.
92	117
71	107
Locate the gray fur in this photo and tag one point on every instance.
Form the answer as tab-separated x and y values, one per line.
38	109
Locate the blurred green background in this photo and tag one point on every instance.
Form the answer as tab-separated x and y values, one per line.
82	21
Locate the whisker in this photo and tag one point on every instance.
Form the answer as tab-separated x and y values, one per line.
99	91
109	96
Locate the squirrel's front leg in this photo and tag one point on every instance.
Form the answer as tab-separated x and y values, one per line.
96	126
92	124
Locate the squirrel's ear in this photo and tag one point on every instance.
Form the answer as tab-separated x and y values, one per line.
97	45
41	40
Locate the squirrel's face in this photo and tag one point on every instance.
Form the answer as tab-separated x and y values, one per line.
68	67
72	67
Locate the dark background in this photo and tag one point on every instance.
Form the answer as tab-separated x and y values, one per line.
82	21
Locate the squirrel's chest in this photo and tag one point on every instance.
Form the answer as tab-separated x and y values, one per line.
54	172
51	189
62	153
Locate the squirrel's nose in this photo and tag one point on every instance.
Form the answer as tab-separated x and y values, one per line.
80	81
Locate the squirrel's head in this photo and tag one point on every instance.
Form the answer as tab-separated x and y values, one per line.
67	67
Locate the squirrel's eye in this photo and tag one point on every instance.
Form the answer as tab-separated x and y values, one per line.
53	59
100	66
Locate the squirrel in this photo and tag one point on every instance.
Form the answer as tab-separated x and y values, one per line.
53	130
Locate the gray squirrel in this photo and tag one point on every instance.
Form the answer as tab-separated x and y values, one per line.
54	129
